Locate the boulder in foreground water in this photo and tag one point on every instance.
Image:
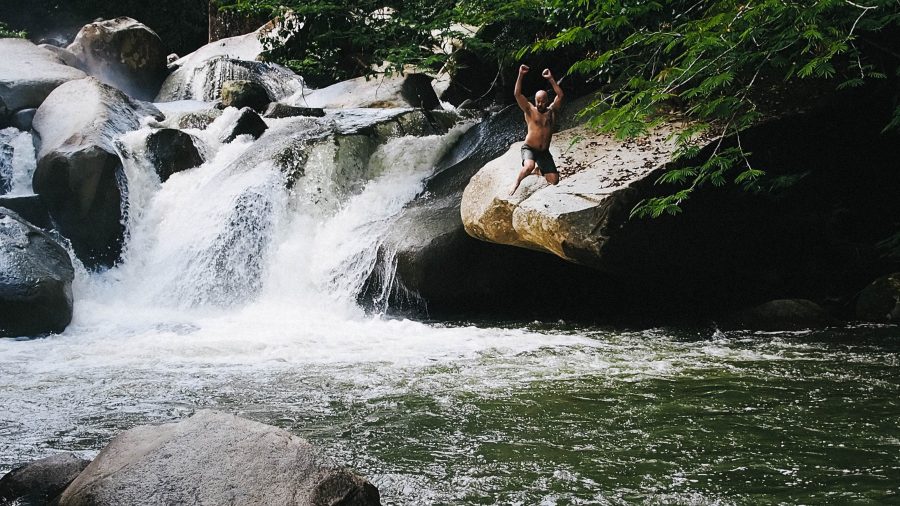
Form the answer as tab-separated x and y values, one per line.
880	301
40	481
215	458
123	53
172	151
247	123
35	280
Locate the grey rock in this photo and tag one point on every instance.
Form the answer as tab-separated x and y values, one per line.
215	458
281	110
410	90
243	93
172	151
28	74
122	53
35	280
29	207
79	173
38	482
22	119
204	80
781	314
880	300
248	123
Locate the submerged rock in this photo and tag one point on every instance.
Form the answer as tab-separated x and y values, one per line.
122	53
28	74
39	482
782	314
240	94
215	458
247	123
35	280
79	173
172	151
410	90
880	301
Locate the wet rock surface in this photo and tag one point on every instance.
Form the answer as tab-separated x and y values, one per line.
39	482
280	110
410	90
172	151
79	173
204	80
247	123
215	458
35	280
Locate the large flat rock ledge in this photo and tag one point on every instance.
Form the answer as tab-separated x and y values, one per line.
572	219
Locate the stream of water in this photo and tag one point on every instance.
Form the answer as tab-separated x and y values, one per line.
235	293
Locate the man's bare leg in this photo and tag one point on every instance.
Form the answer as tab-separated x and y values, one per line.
552	177
527	168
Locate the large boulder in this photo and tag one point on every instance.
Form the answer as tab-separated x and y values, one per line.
204	80
215	458
35	280
280	110
79	173
410	90
39	482
122	53
31	208
596	173
28	74
880	301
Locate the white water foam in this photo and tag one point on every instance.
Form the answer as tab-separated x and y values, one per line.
17	169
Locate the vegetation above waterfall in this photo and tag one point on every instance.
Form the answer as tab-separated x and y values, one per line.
721	63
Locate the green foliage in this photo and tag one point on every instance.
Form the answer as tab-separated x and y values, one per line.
717	62
7	33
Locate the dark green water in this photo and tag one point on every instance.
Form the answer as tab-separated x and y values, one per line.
577	416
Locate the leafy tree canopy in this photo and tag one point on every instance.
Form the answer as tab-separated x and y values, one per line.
723	64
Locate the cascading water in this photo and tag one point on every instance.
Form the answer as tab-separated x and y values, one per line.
237	291
17	162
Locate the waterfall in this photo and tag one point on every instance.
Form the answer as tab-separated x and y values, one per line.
17	162
238	232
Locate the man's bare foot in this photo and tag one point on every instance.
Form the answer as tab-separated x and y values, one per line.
513	189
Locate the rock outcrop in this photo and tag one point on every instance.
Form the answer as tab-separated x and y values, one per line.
28	74
880	301
280	110
122	53
410	90
566	220
246	123
39	482
215	458
35	280
78	171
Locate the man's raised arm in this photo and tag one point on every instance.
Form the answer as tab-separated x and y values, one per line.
520	98
557	102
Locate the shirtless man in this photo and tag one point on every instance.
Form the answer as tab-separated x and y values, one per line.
540	118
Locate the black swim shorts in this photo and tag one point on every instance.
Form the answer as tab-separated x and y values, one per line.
543	159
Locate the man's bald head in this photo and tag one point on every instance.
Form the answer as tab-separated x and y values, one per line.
542	100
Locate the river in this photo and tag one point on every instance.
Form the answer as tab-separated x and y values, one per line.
237	294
